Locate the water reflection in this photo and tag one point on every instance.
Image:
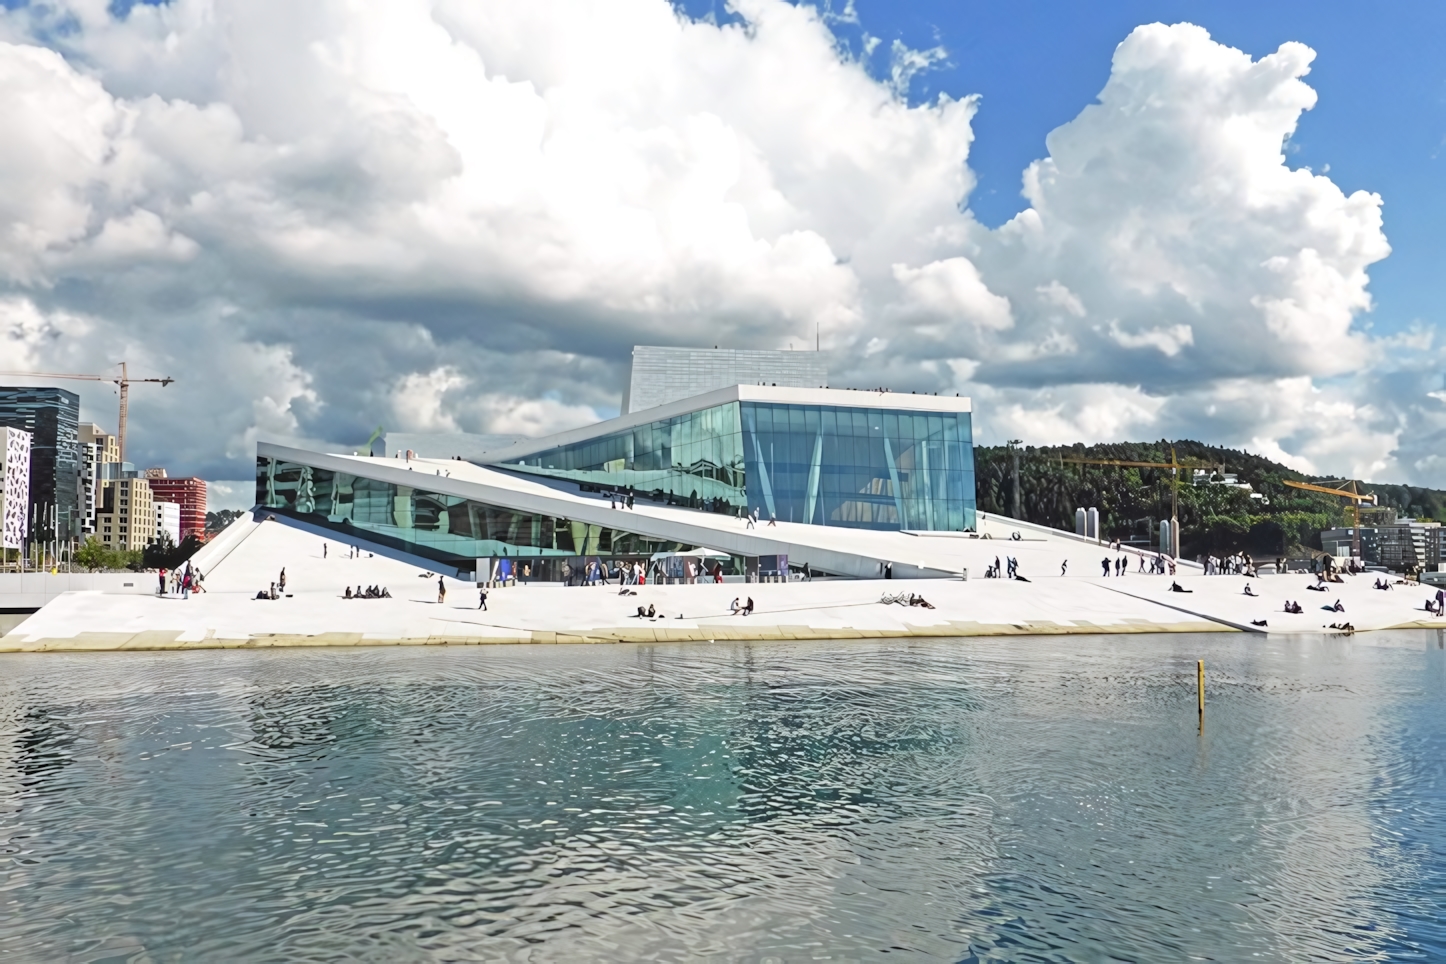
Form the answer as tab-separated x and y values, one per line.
989	800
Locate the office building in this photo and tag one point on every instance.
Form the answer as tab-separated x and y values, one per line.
127	515
188	494
97	449
14	487
52	417
168	521
1398	545
661	375
842	460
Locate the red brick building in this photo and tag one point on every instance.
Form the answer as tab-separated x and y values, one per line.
189	493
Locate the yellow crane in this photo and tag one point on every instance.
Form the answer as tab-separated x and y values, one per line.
1174	465
1355	496
124	381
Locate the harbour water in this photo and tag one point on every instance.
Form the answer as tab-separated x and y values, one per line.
968	800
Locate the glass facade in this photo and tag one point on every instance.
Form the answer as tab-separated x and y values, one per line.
446	528
695	460
868	468
52	417
864	468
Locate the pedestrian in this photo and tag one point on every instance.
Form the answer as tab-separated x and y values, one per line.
526	572
282	581
1064	567
1105	567
323	550
630	499
482	597
772	519
441	591
162	573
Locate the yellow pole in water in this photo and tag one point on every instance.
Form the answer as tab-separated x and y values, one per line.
1200	688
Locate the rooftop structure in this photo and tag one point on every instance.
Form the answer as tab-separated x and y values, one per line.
662	375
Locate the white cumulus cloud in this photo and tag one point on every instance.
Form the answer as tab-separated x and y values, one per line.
461	215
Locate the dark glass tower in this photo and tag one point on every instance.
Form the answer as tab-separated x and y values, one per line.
52	417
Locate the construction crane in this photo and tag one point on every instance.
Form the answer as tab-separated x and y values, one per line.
1174	465
1355	496
124	381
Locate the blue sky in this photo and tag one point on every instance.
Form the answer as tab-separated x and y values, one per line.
1380	123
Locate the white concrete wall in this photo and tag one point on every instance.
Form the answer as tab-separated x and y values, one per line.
31	590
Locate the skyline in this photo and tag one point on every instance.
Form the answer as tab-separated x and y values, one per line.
462	217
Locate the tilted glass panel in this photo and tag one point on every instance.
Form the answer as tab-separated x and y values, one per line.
694	459
445	528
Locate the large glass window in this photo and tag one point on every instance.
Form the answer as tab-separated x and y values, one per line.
694	460
857	467
446	528
863	468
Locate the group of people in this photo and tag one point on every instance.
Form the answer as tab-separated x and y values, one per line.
1010	570
1236	564
746	609
370	592
621	500
182	581
751	519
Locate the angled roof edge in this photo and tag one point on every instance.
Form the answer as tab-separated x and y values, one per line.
834	397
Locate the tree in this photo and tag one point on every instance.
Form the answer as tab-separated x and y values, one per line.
93	555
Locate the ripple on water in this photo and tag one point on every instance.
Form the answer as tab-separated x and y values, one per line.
985	800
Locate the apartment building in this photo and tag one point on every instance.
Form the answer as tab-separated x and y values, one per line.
127	515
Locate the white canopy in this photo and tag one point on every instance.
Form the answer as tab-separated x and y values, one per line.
702	552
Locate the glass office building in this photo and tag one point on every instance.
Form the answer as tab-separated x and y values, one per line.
52	417
858	467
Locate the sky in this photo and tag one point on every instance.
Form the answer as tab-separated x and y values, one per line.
1101	221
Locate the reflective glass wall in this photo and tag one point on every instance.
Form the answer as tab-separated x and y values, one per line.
446	528
694	460
854	467
860	467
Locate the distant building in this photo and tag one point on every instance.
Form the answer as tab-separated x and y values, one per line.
168	521
188	494
1229	480
97	449
127	515
51	416
662	375
14	487
1398	545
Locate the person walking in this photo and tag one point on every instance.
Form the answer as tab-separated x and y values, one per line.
526	572
1064	567
162	573
441	591
281	583
482	597
323	550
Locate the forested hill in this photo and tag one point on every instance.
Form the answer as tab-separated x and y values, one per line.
1215	518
